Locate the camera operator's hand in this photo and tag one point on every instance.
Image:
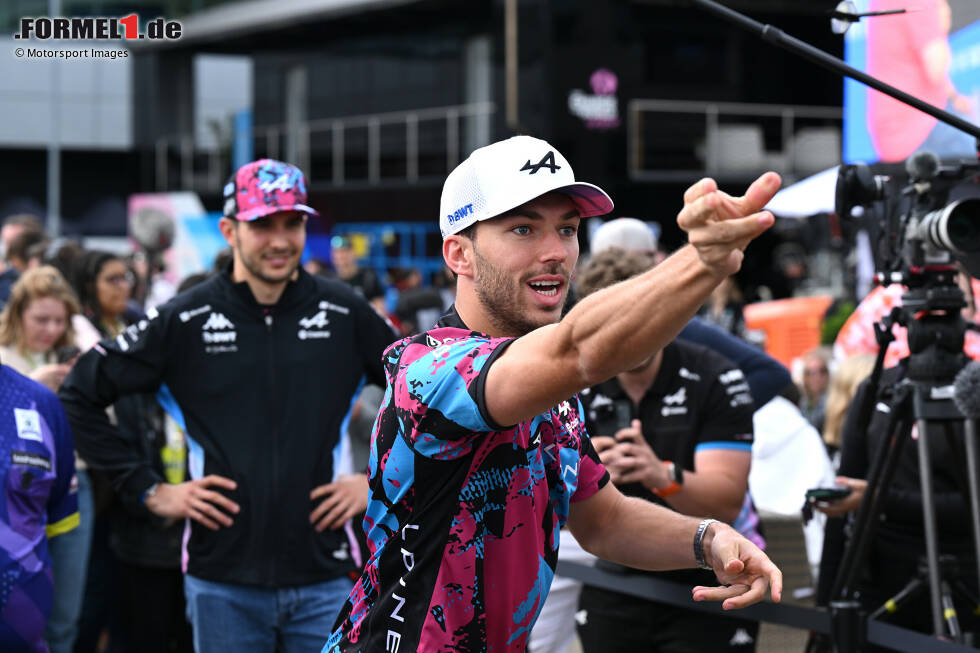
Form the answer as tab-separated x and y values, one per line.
636	461
603	443
720	226
849	503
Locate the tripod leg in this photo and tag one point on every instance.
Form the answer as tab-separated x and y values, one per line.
882	468
970	438
929	517
949	613
892	605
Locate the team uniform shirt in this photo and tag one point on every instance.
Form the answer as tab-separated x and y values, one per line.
464	515
698	401
39	500
262	395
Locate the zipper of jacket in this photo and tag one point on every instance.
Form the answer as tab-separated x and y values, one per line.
275	425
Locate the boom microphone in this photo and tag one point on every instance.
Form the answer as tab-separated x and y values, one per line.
922	165
966	390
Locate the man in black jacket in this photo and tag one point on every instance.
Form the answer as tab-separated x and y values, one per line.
262	362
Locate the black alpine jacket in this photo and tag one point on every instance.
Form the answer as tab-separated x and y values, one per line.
262	391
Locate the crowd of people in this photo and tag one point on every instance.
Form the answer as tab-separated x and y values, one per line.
277	458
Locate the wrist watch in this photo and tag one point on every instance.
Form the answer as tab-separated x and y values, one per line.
150	491
675	475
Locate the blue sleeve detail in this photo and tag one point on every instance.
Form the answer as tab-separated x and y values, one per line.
440	387
733	446
169	404
523	618
397	480
766	376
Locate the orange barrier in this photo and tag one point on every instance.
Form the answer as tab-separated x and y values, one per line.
792	326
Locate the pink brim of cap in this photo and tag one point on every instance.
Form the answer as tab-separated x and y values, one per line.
590	200
262	211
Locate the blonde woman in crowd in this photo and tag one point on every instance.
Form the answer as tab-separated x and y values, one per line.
35	323
843	385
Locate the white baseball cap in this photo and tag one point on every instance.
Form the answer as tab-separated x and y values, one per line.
506	174
626	233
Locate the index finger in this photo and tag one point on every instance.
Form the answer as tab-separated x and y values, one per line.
219	500
731	230
776	584
322	490
220	481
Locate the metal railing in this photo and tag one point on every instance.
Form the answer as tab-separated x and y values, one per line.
728	138
368	149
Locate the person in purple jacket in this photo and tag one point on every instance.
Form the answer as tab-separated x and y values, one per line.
39	501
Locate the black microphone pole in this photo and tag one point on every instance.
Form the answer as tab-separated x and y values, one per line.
778	37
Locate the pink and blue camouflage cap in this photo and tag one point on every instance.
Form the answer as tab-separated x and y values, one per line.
264	187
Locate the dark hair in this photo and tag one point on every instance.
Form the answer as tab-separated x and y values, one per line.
223	258
22	243
61	254
28	220
468	232
37	250
85	270
192	280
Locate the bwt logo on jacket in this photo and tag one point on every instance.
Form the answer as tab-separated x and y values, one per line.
214	330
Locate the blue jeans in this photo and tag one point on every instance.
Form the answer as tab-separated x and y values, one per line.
69	562
228	617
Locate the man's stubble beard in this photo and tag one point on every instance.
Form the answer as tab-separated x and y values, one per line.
256	270
500	299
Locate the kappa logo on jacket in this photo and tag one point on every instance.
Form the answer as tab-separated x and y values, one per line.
217	321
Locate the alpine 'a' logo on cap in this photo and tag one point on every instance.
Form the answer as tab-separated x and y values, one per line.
547	162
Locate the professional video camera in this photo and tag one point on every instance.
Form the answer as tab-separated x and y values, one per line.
920	227
922	235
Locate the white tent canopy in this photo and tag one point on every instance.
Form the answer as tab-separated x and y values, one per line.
807	197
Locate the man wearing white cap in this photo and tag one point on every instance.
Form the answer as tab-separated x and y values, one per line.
480	455
625	233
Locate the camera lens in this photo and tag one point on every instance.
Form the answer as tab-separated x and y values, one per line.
955	227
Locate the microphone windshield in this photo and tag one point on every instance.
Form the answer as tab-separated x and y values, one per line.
922	165
966	390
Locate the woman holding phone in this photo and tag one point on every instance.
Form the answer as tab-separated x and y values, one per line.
36	325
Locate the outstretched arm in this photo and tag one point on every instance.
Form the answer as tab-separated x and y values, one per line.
620	326
643	535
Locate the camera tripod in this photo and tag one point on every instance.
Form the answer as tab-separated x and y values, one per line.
949	568
923	399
